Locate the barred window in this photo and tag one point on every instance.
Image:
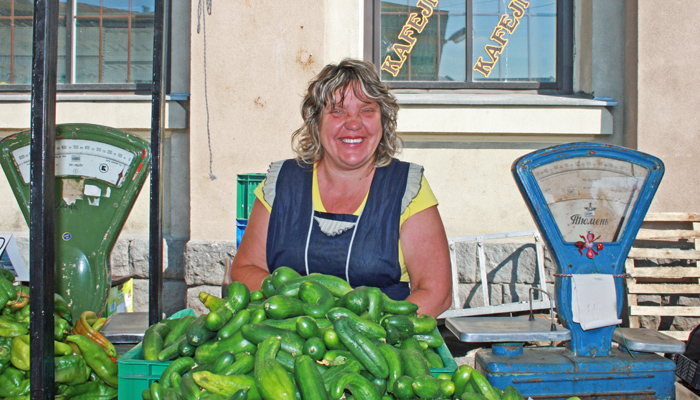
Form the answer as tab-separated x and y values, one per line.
99	42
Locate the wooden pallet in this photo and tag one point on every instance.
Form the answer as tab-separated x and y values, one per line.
667	239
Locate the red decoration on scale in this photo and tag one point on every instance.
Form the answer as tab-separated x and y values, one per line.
593	248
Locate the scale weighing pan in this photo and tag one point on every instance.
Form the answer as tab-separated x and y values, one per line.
99	173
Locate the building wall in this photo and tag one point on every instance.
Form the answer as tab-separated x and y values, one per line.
668	100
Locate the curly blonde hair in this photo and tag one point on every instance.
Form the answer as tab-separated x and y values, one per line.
361	77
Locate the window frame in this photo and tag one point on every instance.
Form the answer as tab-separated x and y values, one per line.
135	88
564	49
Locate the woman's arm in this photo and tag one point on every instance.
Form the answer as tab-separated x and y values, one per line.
250	263
427	259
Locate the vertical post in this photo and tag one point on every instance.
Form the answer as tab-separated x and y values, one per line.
155	283
42	188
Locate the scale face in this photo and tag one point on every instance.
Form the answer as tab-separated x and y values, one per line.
588	200
80	157
590	193
99	173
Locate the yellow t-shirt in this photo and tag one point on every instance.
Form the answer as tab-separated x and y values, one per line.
423	200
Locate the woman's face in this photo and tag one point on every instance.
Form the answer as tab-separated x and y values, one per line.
351	131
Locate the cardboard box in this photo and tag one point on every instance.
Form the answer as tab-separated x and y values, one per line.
121	297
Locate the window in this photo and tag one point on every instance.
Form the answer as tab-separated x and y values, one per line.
100	43
487	44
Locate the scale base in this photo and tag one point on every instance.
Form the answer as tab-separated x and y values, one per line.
555	373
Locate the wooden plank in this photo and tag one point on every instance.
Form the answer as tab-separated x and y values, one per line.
675	311
675	254
672	217
667	234
665	272
678	335
662	288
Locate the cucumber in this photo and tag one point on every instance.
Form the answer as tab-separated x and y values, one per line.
483	386
402	307
280	307
171	351
282	274
375	308
208	352
197	332
360	387
272	380
234	325
308	379
393	359
291	342
434	360
317	299
350	365
414	363
366	351
179	329
369	328
226	385
511	393
426	386
244	364
356	301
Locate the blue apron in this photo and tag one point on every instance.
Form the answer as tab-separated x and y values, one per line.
364	249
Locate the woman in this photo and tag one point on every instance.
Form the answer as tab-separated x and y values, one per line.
344	206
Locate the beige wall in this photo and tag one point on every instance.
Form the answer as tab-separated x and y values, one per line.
668	101
260	56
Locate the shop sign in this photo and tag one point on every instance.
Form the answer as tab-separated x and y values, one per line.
506	25
414	24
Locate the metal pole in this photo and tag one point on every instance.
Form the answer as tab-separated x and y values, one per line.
155	283
42	188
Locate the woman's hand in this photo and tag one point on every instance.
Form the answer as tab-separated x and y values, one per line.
427	258
250	263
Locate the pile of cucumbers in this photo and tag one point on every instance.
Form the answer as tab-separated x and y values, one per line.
306	337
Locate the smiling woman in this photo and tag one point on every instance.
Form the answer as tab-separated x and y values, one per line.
345	206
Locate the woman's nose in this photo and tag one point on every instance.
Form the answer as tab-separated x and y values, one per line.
353	122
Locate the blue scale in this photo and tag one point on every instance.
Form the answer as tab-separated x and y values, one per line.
588	201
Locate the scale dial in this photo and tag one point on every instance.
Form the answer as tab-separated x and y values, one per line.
80	157
590	197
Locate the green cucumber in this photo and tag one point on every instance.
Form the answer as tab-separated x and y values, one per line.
317	299
244	364
364	349
291	342
178	330
280	307
308	379
234	325
369	328
402	307
434	360
426	387
356	301
197	332
282	274
208	352
393	359
414	363
360	387
226	385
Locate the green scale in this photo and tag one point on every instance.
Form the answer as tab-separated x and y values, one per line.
99	173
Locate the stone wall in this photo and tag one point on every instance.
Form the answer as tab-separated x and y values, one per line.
511	270
191	267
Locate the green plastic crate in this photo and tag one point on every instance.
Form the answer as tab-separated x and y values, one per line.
450	365
137	374
245	196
